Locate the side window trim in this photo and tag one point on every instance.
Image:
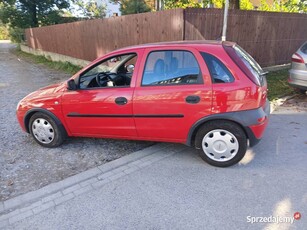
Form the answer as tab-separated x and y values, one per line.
209	58
199	78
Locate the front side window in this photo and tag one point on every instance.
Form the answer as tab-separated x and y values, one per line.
218	71
114	72
171	68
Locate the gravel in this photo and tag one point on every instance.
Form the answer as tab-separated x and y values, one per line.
24	165
298	102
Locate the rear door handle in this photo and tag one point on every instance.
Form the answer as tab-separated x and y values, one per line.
192	99
121	100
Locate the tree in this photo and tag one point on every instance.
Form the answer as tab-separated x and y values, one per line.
31	13
246	5
90	9
4	32
294	6
264	6
171	4
132	6
234	4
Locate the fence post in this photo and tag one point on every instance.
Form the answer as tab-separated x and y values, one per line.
225	20
183	26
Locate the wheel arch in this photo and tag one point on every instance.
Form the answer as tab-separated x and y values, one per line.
243	119
31	112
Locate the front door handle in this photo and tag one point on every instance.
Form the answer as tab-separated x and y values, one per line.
192	99
121	100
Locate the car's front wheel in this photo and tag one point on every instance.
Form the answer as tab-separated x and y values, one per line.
221	143
45	130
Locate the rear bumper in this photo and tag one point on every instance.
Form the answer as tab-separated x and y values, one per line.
298	84
298	79
256	131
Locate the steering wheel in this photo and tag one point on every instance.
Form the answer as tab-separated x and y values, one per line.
102	79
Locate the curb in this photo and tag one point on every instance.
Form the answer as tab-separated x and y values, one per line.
277	67
32	203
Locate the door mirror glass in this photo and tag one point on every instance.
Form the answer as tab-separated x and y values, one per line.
71	85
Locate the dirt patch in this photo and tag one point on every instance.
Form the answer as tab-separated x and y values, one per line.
299	102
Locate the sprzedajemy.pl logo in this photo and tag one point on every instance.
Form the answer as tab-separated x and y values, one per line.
273	219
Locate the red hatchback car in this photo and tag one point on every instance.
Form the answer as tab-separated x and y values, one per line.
207	94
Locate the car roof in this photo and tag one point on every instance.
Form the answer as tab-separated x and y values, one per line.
178	44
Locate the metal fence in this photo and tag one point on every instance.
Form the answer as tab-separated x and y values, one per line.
270	38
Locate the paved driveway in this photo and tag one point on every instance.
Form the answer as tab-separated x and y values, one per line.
182	192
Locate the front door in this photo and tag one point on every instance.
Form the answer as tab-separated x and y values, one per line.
102	104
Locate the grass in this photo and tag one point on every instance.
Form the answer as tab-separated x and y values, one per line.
277	80
278	85
66	67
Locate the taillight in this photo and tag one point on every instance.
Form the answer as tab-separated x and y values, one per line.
297	58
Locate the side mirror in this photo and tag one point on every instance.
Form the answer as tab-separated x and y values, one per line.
71	85
130	68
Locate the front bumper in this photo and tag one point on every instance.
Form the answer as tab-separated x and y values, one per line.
20	117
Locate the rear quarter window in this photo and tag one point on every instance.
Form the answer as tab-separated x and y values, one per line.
218	71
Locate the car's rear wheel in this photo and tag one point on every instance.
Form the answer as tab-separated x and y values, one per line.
221	143
45	130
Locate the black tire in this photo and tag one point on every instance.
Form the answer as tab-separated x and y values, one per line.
234	134
302	91
57	132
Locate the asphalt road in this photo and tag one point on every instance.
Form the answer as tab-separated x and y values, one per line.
24	165
183	192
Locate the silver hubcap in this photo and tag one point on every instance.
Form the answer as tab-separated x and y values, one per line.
43	130
220	145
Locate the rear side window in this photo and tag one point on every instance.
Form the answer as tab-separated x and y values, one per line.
171	68
304	48
218	71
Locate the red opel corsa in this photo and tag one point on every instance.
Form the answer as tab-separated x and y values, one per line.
207	94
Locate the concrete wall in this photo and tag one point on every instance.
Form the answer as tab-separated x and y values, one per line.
54	56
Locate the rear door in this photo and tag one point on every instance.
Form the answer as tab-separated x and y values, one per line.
173	91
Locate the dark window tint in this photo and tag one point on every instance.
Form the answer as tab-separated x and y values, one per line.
218	71
170	68
304	48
